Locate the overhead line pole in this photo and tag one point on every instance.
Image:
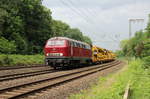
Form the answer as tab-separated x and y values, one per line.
130	23
129	29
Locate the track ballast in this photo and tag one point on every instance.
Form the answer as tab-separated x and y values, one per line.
25	90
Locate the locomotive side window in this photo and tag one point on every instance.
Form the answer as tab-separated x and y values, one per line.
88	47
84	46
79	45
75	44
71	43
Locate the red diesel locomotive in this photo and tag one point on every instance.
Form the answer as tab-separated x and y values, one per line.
63	51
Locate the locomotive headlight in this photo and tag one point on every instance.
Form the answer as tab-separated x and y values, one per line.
47	54
61	54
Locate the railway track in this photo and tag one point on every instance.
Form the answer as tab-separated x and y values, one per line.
22	75
25	90
18	67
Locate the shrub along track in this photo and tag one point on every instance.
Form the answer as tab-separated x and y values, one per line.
27	89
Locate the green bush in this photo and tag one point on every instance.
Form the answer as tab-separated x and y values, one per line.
119	53
146	63
13	59
7	46
8	60
1	62
146	50
5	60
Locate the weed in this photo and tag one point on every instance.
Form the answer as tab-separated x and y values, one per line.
134	72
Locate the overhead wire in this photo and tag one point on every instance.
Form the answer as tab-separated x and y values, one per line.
77	12
66	4
87	11
70	16
71	5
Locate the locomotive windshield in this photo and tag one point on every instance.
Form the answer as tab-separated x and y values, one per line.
56	42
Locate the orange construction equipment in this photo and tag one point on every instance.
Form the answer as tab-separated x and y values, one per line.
100	55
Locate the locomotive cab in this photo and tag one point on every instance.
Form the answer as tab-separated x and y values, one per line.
56	52
55	48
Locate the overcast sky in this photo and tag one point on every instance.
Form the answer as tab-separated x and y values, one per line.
104	21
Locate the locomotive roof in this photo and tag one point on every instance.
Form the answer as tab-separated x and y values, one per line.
66	38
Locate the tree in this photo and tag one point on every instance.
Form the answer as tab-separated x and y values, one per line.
29	24
139	45
59	28
25	21
87	39
3	16
38	23
62	29
75	34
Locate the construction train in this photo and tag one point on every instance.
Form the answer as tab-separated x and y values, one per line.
66	52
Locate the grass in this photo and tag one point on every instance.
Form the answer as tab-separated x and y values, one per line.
12	60
113	86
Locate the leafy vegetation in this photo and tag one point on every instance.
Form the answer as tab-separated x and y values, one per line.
113	86
136	51
139	70
12	60
25	25
6	46
146	62
137	46
62	29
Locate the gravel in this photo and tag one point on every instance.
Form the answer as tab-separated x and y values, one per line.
58	92
75	86
20	81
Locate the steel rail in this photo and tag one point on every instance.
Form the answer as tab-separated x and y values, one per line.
19	67
22	75
28	74
25	89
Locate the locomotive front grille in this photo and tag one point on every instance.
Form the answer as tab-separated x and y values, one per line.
54	54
